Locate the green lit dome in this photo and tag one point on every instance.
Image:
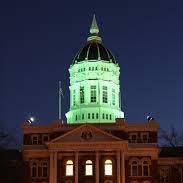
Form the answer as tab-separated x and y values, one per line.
94	51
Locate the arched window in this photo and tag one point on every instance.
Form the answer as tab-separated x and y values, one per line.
145	168
44	169
134	168
88	168
69	168
108	167
34	170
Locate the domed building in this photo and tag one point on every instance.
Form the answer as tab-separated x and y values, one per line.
94	83
97	144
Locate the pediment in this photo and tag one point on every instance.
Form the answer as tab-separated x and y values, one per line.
85	133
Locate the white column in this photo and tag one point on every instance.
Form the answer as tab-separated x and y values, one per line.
97	167
76	167
123	167
51	168
118	167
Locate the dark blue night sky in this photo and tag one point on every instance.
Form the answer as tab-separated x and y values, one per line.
39	39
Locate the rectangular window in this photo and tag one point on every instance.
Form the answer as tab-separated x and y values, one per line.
82	94
97	116
74	97
106	116
93	93
88	115
82	116
104	94
35	139
45	138
113	97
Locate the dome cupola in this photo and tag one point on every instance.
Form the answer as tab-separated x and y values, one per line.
94	83
94	50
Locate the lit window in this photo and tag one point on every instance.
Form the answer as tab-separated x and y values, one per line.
88	168
104	96
44	169
145	168
34	169
74	97
69	168
108	167
35	139
113	97
134	168
93	94
82	94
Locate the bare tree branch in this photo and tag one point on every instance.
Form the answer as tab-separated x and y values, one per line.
170	138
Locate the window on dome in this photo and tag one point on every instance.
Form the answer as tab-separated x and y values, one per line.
104	96
113	97
93	94
74	97
108	167
88	115
69	168
88	168
82	94
103	116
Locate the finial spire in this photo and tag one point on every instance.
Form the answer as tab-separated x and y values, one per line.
94	30
94	27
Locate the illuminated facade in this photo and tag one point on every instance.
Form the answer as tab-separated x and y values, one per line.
97	145
94	83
